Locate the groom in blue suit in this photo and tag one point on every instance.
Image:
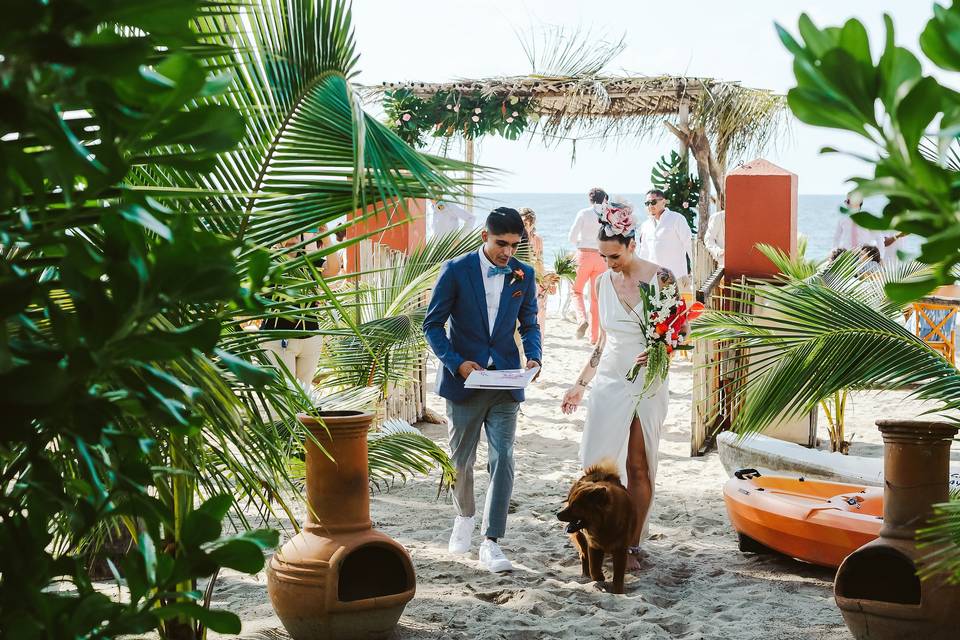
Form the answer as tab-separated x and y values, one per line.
477	302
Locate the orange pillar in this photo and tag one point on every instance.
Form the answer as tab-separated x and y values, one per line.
401	226
761	207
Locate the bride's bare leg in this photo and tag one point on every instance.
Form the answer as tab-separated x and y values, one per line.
638	484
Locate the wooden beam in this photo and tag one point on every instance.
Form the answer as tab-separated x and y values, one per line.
684	125
468	157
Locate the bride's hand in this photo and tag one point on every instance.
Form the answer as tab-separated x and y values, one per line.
571	399
642	359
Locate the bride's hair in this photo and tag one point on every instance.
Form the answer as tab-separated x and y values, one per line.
603	236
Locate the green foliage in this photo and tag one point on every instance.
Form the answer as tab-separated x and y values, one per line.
386	344
912	122
565	265
447	113
682	188
150	154
109	306
889	102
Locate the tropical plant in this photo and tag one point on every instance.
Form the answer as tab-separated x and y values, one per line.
565	265
839	85
914	135
131	232
672	176
111	349
797	269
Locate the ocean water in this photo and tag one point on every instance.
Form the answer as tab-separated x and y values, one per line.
817	217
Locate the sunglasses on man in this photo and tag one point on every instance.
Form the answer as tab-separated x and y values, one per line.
650	203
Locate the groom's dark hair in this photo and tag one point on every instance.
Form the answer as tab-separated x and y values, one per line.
503	220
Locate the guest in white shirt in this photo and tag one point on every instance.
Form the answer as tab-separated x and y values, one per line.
584	235
449	217
665	238
715	235
849	235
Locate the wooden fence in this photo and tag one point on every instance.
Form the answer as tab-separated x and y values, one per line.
407	400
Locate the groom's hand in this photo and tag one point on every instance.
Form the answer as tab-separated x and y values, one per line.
467	367
533	363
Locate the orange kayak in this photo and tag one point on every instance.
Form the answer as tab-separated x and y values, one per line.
811	520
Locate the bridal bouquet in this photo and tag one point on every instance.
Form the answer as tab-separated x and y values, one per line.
665	314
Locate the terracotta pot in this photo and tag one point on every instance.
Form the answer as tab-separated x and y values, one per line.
338	577
876	587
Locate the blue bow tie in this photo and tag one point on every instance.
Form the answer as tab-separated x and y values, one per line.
498	271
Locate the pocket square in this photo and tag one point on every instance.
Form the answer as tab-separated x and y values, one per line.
517	293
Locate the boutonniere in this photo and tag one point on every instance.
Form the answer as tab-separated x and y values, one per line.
517	277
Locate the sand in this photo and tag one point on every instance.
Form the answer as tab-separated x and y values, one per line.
695	583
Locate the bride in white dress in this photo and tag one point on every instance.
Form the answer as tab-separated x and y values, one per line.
623	421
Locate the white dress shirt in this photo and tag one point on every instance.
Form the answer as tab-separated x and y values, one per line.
715	235
492	287
585	229
666	242
447	217
849	235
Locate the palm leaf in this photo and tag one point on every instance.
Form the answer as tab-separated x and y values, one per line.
815	341
399	449
389	344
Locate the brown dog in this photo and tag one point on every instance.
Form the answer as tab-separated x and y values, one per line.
602	519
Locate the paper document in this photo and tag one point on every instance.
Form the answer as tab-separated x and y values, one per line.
501	379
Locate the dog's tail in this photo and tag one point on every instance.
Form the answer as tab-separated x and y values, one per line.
604	470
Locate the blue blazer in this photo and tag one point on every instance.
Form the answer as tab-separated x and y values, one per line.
459	298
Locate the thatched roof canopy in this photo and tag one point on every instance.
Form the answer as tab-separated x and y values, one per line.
737	119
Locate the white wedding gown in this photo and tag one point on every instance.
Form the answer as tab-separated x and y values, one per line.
612	402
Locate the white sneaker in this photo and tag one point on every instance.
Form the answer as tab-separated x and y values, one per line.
460	538
492	558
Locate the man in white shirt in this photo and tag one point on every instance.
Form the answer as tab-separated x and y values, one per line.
665	238
449	217
715	235
584	235
851	236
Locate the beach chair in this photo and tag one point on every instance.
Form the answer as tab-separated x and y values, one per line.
937	326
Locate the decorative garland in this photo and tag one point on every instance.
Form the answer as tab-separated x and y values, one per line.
447	113
672	176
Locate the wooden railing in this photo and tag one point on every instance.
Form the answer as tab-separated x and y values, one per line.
707	402
406	400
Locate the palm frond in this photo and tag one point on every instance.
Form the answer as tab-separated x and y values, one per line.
555	52
390	345
941	540
808	341
398	449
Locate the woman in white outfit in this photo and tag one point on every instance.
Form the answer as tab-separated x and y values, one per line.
623	421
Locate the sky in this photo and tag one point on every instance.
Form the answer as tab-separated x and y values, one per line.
734	40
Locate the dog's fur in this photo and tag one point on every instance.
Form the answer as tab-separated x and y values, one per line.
602	519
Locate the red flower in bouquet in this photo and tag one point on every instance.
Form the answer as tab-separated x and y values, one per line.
666	314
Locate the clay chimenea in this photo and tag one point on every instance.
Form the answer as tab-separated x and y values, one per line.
877	588
339	578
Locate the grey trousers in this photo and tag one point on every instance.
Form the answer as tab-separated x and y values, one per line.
496	412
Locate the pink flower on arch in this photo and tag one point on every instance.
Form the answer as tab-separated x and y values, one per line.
406	117
475	118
